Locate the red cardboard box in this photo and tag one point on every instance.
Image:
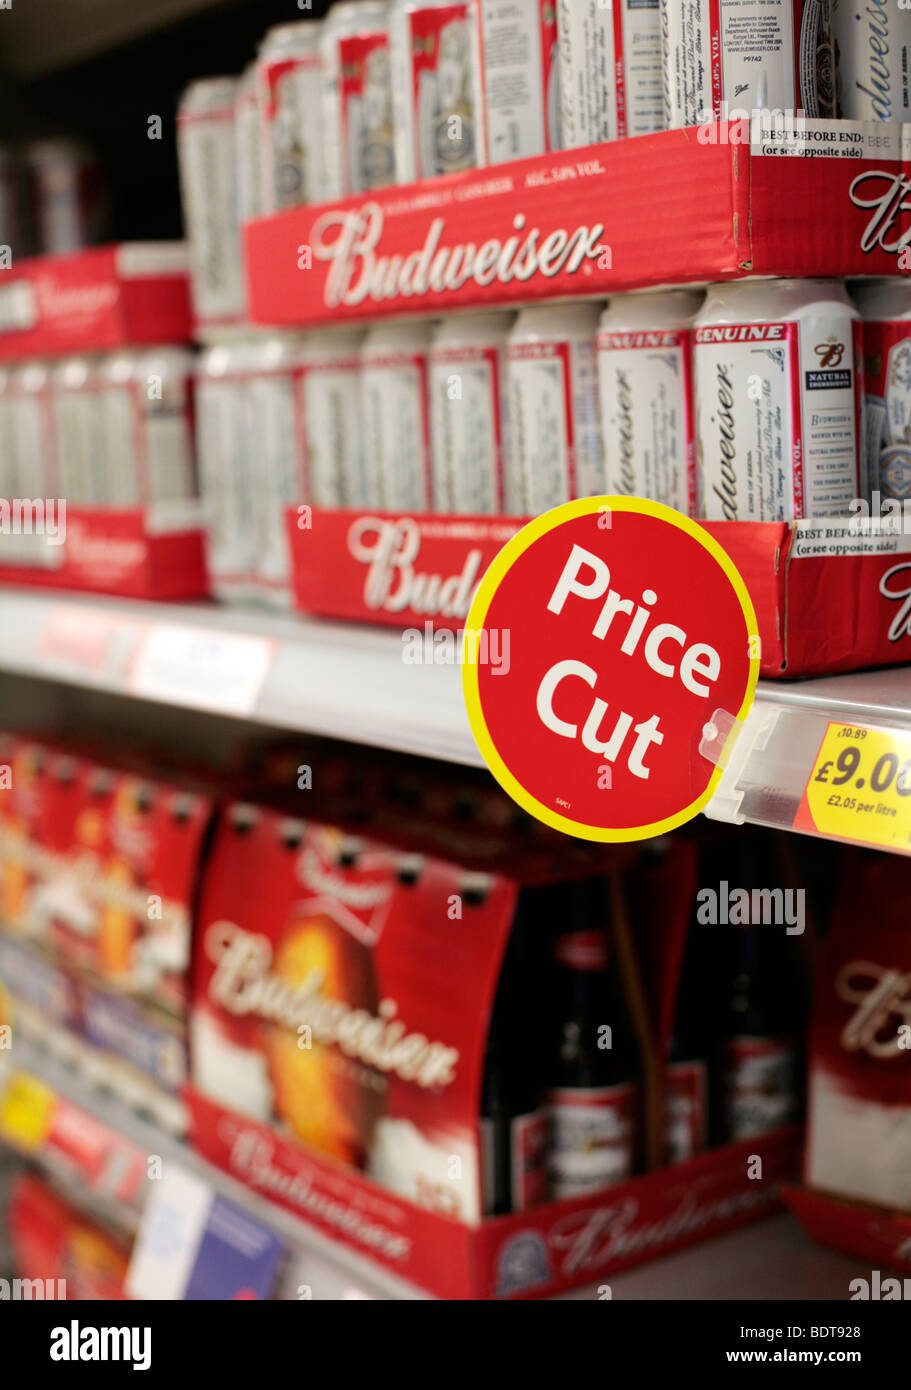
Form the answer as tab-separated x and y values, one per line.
95	300
338	1032
106	551
827	598
676	207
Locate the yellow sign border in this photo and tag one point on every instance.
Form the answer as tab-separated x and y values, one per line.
500	565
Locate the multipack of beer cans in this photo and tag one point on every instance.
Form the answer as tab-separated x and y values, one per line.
745	403
391	92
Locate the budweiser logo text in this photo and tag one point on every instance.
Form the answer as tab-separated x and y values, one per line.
885	193
901	593
243	984
389	549
349	240
883	1000
727	492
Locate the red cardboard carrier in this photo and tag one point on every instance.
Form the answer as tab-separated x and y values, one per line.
676	207
95	301
307	939
856	1195
827	597
108	551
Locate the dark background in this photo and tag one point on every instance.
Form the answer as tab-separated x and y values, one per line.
49	87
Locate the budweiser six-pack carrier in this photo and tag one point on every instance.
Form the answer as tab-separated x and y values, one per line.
474	1081
858	1084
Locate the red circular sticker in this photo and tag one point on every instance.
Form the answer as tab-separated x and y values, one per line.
603	642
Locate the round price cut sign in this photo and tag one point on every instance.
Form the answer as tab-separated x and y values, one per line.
608	642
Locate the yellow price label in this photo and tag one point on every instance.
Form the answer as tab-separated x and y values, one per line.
860	787
26	1112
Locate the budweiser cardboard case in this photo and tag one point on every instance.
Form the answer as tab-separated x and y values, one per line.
858	1158
340	1032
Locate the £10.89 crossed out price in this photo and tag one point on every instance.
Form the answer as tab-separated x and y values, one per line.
860	787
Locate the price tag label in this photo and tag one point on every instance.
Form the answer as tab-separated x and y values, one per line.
601	644
202	668
860	787
26	1112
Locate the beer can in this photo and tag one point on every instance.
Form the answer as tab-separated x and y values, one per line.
331	387
246	147
145	402
469	413
33	429
434	89
66	197
278	456
9	470
778	374
554	414
79	432
725	61
645	380
358	129
208	185
288	79
885	307
518	77
873	53
611	69
396	417
224	448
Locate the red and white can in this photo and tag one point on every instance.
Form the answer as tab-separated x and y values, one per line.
554	416
469	413
395	414
33	427
434	89
331	387
873	52
728	58
646	391
246	147
358	126
208	187
291	132
9	472
885	307
66	196
515	43
277	461
611	69
79	432
225	449
778	372
145	399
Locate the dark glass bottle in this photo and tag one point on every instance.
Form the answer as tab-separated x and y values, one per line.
594	1092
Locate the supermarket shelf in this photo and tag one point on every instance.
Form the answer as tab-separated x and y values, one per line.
770	1260
350	682
330	1269
774	754
332	679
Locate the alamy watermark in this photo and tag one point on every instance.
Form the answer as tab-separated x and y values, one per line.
467	646
39	516
880	516
768	907
32	1290
787	127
